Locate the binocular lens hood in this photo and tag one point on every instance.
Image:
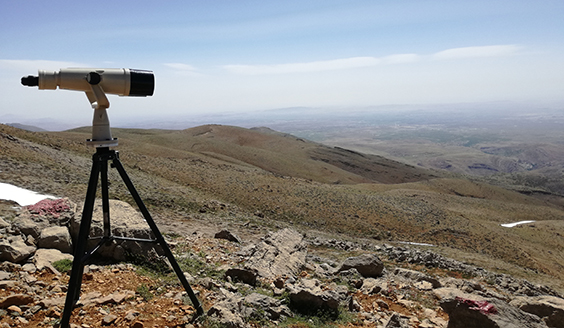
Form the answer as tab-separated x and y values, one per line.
142	83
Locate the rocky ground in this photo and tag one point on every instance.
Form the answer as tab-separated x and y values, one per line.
246	278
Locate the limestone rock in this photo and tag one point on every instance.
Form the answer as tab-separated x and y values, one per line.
109	319
248	276
373	286
397	321
227	235
46	257
309	295
368	265
3	224
472	311
235	310
55	238
550	308
53	211
14	249
280	254
26	226
417	276
125	221
4	275
16	299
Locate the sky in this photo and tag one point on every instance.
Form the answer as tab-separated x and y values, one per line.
240	56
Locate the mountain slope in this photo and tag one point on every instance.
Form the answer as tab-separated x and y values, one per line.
284	155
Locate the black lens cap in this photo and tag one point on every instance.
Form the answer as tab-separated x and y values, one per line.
142	83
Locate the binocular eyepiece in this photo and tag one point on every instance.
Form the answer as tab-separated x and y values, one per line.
30	81
120	81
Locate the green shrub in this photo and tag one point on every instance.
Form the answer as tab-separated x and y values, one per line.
64	265
144	292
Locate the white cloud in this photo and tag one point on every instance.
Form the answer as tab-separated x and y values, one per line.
324	65
181	67
356	62
401	59
473	52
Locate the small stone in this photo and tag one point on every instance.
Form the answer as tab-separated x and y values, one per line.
53	312
29	267
382	304
14	308
132	315
4	275
22	320
137	324
109	319
17	299
228	235
424	285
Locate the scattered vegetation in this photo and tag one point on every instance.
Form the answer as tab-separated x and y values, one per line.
144	291
63	266
320	319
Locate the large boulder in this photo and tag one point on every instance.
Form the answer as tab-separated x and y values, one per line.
125	221
44	257
48	212
309	296
368	265
473	311
550	308
55	237
27	226
235	310
417	276
15	250
54	211
279	254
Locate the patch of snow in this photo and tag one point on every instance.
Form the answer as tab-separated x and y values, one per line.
511	225
416	244
21	196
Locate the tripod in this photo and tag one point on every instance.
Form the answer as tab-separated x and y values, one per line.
100	169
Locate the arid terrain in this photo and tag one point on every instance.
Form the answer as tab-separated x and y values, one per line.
215	176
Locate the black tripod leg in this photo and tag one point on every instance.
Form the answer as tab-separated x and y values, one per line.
73	292
159	236
105	198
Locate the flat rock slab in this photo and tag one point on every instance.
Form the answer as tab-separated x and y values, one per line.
472	311
279	254
550	308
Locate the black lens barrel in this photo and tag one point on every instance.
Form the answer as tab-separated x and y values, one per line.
142	83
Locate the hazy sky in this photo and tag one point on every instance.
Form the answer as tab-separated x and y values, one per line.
216	56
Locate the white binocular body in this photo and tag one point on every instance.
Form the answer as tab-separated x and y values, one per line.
119	81
96	83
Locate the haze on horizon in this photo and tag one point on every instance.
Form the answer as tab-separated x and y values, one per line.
225	56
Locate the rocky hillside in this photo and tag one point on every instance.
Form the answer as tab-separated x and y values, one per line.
279	278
